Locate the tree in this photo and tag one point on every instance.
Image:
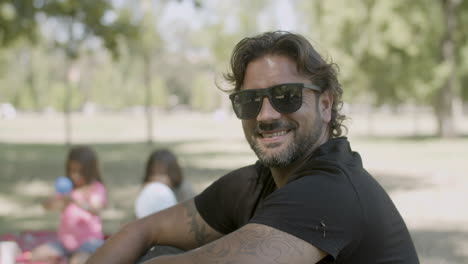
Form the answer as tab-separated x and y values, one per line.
148	46
447	91
17	20
81	21
390	51
145	46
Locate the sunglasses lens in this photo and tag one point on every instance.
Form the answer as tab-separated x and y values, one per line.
246	104
286	98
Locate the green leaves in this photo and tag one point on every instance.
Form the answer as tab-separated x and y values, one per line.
389	52
17	19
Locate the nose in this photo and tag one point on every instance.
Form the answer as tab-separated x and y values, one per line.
267	112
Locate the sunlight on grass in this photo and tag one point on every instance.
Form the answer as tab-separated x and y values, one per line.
12	207
433	208
34	188
461	248
8	205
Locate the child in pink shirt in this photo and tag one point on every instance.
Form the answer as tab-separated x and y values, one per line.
80	229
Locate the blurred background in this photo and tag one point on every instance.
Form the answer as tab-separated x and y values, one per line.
127	77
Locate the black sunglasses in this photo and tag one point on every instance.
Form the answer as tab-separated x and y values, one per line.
285	98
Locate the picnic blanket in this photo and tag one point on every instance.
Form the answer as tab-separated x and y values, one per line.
30	239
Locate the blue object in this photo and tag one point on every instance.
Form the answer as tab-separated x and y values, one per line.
63	185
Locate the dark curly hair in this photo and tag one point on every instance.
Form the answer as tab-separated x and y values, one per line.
165	162
308	61
88	159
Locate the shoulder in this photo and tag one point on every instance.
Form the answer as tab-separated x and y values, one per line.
228	203
98	187
249	173
238	178
248	177
98	184
328	186
156	190
244	180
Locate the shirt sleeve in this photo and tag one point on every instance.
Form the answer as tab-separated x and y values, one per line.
228	203
322	209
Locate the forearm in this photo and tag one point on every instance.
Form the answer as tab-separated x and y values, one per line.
179	226
253	243
53	203
126	246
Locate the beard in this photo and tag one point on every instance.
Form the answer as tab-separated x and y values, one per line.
296	149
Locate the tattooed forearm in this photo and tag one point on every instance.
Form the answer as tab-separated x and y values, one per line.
197	226
257	244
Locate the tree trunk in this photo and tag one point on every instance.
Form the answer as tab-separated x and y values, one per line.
66	109
31	80
370	120
446	95
72	78
148	100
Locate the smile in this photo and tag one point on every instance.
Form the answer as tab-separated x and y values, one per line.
274	134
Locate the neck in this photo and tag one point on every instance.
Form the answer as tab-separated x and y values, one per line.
161	178
281	176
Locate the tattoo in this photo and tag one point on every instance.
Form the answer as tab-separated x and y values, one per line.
254	242
197	227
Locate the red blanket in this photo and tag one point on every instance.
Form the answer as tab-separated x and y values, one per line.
28	240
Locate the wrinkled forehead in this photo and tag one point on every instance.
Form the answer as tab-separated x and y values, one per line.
271	70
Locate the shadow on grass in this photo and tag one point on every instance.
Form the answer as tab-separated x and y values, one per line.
122	166
27	172
435	247
18	224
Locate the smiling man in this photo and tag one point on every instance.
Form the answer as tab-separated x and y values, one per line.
307	200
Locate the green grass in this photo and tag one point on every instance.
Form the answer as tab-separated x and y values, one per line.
27	172
425	176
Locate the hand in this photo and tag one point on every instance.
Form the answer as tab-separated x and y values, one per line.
57	203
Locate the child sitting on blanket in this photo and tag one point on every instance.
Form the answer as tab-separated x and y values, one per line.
80	228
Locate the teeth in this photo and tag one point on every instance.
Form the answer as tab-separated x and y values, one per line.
276	134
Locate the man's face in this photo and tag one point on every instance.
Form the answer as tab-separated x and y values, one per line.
280	139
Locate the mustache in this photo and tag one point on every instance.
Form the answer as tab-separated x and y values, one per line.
275	125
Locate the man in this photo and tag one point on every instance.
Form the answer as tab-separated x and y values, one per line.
307	200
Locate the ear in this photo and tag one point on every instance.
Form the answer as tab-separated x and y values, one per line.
325	106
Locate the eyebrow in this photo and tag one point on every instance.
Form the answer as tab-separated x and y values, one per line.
308	86
313	87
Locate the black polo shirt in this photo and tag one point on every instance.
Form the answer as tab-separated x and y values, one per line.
332	203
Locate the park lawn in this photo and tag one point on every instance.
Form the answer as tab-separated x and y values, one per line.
27	172
426	177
